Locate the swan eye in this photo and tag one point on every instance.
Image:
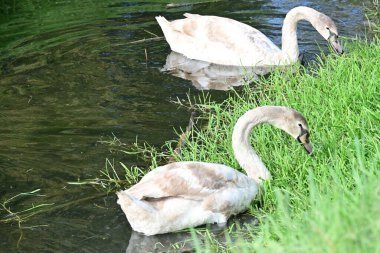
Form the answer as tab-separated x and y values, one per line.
327	28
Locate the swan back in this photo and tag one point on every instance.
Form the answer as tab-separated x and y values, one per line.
218	40
186	194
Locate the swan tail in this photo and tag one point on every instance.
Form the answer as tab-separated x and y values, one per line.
163	22
134	208
130	203
165	25
141	215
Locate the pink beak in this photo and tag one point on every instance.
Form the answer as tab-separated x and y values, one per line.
336	46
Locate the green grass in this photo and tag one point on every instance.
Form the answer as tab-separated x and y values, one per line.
372	13
326	204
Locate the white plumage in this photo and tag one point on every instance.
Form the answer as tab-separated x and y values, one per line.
229	42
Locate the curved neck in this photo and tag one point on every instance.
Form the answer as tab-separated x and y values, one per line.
290	49
244	153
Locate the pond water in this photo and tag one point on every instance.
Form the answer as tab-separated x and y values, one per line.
71	76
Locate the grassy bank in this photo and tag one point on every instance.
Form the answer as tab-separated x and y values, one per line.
326	204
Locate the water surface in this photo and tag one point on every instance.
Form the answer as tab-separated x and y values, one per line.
70	75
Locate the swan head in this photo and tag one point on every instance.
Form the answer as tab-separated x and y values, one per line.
327	28
294	123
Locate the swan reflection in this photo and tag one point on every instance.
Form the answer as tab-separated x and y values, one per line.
182	241
210	76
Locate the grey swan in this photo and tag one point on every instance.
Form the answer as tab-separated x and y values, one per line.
188	194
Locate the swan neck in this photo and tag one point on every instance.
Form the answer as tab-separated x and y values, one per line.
244	153
290	49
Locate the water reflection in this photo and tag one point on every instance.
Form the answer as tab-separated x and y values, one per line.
183	241
209	76
173	242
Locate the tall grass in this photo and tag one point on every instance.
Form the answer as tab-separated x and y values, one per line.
326	204
372	13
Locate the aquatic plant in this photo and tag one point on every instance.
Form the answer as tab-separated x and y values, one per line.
9	213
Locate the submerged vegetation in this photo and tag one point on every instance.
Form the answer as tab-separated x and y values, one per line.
325	203
11	214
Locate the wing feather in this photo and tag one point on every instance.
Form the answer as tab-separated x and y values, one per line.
228	32
192	180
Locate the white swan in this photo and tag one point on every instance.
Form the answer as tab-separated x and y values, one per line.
188	194
228	42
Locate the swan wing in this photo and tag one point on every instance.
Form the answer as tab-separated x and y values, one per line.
217	39
217	29
191	180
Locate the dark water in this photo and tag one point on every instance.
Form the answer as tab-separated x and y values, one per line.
70	76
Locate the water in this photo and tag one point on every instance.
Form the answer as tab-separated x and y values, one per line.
69	77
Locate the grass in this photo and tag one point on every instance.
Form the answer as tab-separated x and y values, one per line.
329	203
326	204
373	17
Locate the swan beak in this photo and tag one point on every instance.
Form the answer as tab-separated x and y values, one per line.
336	46
303	138
308	148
